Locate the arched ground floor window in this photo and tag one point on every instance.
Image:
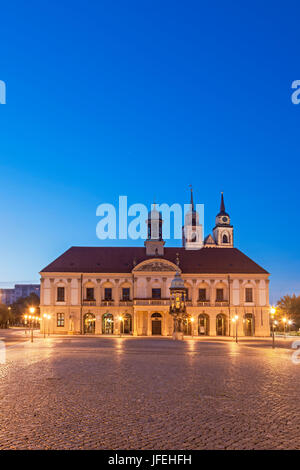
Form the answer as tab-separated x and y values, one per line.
126	324
203	324
221	324
187	326
107	324
249	324
156	323
89	321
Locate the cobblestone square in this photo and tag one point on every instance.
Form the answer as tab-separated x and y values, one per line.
149	393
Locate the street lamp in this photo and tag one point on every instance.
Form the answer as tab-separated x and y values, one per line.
45	316
121	325
48	318
273	311
284	320
192	325
31	318
235	320
290	323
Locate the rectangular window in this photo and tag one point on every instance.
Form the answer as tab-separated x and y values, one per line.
156	293
219	295
249	294
126	293
202	295
107	293
90	293
60	294
60	319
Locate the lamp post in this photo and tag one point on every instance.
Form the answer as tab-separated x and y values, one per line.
290	323
26	323
48	318
31	317
235	320
284	320
44	321
273	311
121	325
192	325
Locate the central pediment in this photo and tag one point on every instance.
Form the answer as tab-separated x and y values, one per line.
156	266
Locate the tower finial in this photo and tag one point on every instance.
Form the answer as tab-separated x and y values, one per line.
222	206
177	259
192	199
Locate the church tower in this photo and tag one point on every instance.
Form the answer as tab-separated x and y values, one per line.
192	237
223	231
154	243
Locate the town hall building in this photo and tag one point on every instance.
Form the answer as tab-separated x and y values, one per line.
126	290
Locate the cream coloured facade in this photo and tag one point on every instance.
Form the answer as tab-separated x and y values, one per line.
113	290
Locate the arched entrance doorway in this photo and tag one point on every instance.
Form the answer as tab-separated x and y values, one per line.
187	326
126	324
156	323
221	324
89	323
107	324
203	324
249	324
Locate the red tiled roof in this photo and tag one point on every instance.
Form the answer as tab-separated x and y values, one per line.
121	260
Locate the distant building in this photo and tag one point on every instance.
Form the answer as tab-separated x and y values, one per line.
9	296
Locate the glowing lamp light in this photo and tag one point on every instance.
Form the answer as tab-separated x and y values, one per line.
284	320
290	322
32	310
192	319
273	310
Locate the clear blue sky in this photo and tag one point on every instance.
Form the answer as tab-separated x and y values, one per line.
140	98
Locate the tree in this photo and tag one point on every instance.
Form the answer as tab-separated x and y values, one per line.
5	316
22	305
289	307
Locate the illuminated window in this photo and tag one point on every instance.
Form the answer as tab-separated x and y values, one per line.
60	319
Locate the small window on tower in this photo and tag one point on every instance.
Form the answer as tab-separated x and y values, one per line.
225	239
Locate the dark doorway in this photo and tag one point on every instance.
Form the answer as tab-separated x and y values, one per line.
156	323
249	324
221	325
